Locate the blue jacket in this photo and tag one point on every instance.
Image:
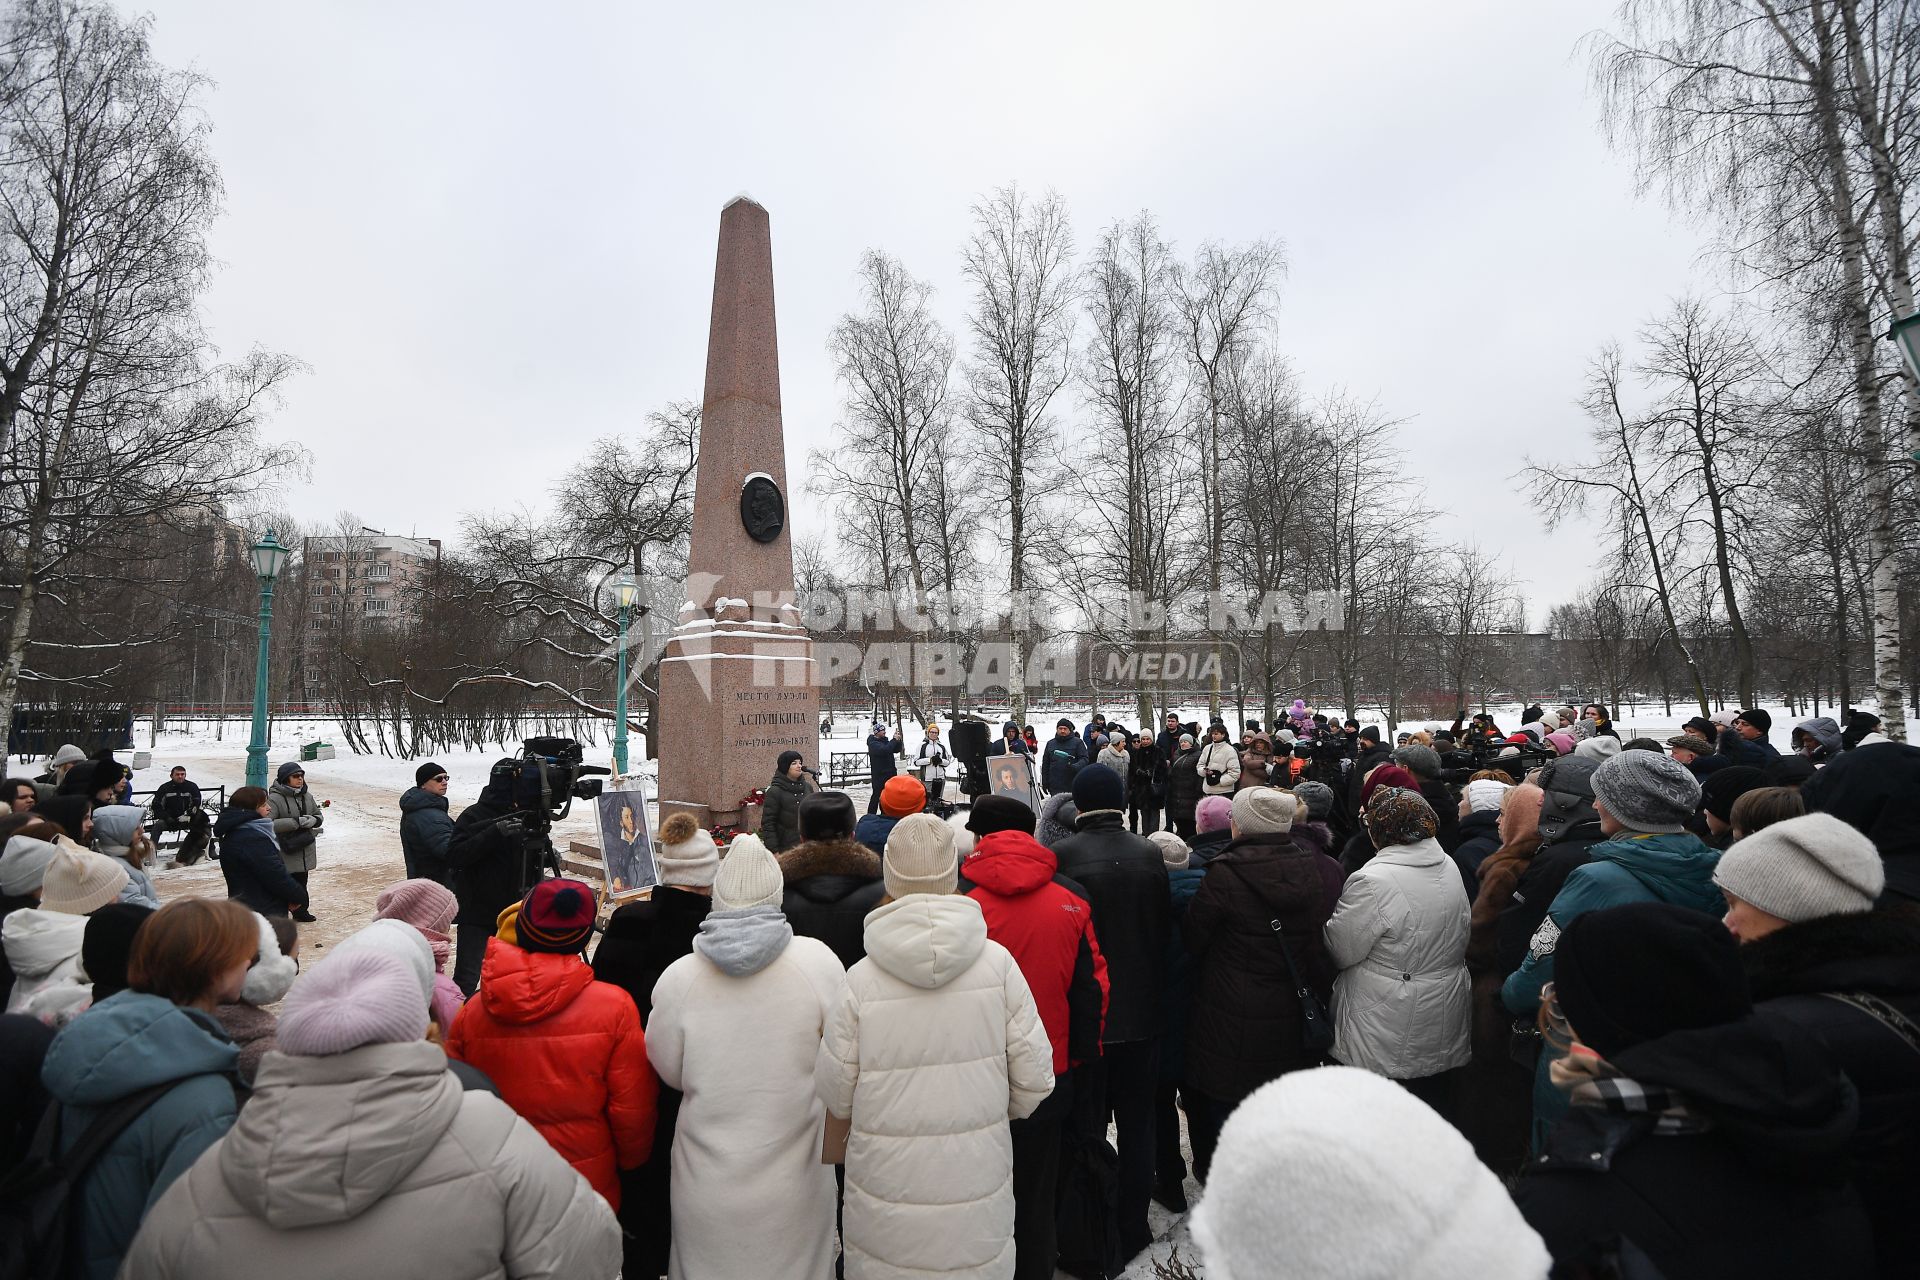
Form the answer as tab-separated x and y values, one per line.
124	1044
425	829
250	860
873	830
880	753
1759	753
1060	760
1626	868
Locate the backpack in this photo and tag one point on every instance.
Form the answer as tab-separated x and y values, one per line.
1087	1220
36	1196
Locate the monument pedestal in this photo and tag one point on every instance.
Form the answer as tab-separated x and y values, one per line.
737	682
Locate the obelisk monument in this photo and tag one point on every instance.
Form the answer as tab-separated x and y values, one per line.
736	679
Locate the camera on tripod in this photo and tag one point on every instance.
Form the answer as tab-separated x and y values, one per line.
553	774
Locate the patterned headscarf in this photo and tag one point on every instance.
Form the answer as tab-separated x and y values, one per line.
1396	815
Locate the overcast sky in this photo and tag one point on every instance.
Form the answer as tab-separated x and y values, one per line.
489	228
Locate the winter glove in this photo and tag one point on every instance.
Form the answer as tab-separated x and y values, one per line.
511	828
308	822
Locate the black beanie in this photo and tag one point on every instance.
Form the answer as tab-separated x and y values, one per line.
826	815
108	943
1629	974
1724	786
781	765
1758	719
1001	813
1370	734
1063	723
426	773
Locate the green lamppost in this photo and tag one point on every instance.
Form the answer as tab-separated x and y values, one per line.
1906	336
625	592
267	555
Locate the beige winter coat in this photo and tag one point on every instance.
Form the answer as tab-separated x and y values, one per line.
936	1045
736	1027
1224	757
374	1162
1402	1005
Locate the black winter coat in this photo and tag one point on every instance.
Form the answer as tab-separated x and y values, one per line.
1245	1027
780	814
1534	892
250	860
831	886
1479	836
1183	785
1446	807
1126	881
488	865
1146	777
1763	1193
1060	760
1206	845
1871	788
23	1047
1347	817
643	938
1877	955
425	830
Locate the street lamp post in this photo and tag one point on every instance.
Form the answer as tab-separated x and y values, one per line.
625	592
1906	336
267	555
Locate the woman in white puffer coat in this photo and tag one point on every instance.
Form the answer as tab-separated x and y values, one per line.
1402	1003
936	1045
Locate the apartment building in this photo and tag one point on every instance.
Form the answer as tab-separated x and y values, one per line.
369	576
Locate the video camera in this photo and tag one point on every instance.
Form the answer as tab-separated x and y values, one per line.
553	774
1489	753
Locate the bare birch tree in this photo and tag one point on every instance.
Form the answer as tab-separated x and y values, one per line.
1020	264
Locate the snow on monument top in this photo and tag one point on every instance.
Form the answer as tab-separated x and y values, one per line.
743	197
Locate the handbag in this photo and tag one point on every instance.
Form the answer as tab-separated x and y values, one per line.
1316	1027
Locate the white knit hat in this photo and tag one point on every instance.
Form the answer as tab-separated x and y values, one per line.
749	876
1804	868
79	882
271	973
919	857
24	865
1338	1172
686	854
1484	795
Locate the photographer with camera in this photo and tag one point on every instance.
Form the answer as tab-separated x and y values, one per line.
487	852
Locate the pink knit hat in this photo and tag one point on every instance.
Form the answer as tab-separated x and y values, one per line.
352	998
426	905
1214	813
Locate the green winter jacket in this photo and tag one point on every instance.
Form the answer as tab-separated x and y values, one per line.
122	1045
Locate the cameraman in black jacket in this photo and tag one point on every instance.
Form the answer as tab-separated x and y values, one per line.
488	855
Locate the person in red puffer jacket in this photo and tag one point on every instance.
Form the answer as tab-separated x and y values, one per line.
566	1052
1045	921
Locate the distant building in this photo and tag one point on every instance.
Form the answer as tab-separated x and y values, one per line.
366	577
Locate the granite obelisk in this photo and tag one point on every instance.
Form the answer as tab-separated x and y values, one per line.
736	679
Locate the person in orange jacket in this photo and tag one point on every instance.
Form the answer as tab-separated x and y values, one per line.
565	1051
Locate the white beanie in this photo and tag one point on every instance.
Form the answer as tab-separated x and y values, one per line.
748	876
1309	1159
1173	850
1485	794
24	865
1600	747
919	857
1804	868
78	882
271	973
686	854
401	939
355	997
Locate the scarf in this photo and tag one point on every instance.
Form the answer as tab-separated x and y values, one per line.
1589	1080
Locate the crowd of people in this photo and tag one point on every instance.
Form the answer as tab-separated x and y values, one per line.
1470	1004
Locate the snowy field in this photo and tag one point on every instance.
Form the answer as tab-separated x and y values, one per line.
359	851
